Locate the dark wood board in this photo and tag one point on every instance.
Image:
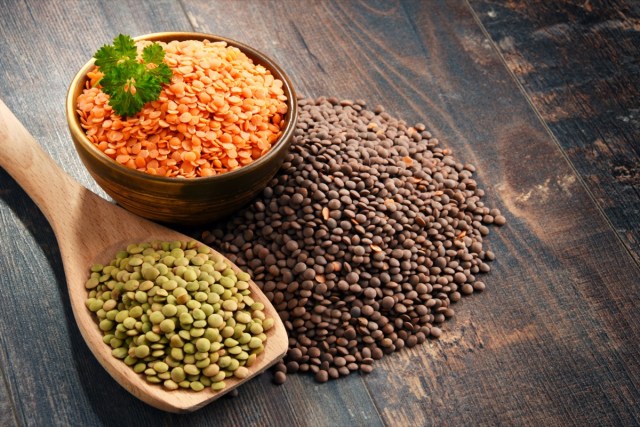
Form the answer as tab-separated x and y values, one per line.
553	339
578	63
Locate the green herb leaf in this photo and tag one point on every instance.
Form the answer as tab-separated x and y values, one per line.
130	82
125	46
153	54
123	49
163	73
106	58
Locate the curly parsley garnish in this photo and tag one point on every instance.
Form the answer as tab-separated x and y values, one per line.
129	81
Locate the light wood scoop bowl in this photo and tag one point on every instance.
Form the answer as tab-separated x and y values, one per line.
91	230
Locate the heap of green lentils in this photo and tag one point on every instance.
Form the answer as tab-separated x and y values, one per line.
179	314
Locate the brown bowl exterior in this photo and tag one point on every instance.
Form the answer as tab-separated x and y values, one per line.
194	201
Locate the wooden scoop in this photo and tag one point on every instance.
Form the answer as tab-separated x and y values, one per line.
91	230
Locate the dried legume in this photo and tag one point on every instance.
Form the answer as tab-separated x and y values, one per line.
174	332
220	112
364	239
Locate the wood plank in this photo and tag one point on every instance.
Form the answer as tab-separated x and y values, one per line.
578	64
8	416
88	395
503	362
53	378
500	361
551	341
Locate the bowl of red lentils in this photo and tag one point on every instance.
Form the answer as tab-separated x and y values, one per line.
212	141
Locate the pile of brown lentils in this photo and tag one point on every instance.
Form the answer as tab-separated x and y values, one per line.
363	240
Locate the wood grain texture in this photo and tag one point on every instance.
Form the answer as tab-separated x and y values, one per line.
552	341
81	392
578	62
7	408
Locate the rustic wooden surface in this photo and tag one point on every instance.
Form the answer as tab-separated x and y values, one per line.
579	65
542	99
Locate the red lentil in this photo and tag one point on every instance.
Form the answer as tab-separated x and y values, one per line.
220	112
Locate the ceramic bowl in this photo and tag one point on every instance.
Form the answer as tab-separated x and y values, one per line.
192	201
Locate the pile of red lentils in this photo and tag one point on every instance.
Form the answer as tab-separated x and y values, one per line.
220	112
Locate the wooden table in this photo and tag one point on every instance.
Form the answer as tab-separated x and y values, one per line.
543	97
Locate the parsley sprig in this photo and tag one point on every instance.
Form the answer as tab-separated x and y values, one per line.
131	82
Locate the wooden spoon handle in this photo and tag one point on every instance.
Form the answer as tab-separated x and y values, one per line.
49	187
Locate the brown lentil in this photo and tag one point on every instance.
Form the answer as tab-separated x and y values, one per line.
363	240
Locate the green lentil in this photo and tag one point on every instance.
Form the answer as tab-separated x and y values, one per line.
92	283
199	323
241	372
190	369
177	313
109	304
141	297
243	317
219	376
156	317
211	370
95	305
167	325
196	386
106	325
217	386
255	328
203	344
136	312
201	364
232	367
142	351
177	354
193	304
170	385
250	360
267	324
255	342
119	352
186	319
177	374
169	285
152	336
189	348
169	310
230	305
234	351
215	320
129	323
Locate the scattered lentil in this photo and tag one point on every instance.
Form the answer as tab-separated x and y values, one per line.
363	240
